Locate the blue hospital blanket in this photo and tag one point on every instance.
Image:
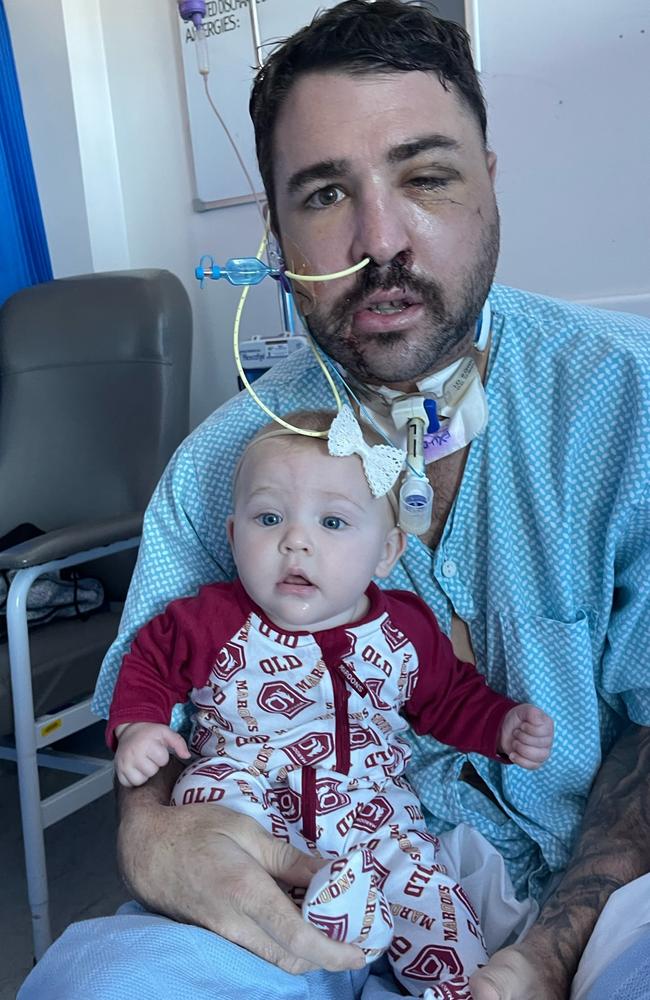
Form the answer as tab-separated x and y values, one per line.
628	977
135	956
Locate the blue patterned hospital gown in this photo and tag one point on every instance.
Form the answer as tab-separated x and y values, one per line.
545	554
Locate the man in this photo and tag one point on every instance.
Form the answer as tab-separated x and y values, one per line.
371	137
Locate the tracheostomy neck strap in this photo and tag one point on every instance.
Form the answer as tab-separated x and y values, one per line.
455	409
448	411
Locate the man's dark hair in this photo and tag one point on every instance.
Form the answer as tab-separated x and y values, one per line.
361	37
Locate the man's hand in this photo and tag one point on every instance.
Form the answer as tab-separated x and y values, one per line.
143	748
611	850
526	736
517	973
206	865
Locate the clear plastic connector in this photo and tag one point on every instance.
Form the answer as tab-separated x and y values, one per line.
415	505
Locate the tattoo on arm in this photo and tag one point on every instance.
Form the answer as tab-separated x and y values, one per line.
613	848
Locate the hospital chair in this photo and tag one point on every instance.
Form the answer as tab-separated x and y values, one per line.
94	397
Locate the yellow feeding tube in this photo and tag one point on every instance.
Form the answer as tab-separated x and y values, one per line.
240	369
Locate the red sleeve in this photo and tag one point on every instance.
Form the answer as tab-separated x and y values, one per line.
172	654
451	700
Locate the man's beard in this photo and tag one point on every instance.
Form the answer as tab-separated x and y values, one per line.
391	356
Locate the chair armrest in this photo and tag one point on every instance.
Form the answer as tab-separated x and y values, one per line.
65	542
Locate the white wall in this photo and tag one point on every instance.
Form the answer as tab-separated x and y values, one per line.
568	88
98	150
104	101
41	57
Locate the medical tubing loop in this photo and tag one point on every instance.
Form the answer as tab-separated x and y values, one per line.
248	386
240	160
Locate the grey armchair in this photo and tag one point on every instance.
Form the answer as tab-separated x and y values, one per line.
94	398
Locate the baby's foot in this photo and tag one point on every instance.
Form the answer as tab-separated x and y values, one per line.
345	902
457	988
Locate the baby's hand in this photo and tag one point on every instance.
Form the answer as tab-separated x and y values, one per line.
526	736
143	748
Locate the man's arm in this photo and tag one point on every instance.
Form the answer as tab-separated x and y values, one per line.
164	854
613	849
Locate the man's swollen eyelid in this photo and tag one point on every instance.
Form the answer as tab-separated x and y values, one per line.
424	181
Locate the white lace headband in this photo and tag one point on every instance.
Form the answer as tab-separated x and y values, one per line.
382	463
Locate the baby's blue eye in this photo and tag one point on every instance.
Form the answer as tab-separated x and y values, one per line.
268	520
333	523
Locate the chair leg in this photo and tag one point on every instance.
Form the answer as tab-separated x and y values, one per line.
34	846
30	796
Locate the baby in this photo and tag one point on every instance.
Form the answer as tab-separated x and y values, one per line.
304	677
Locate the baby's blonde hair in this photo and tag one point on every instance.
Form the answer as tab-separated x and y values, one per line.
309	420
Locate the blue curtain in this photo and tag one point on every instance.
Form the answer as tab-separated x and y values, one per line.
24	256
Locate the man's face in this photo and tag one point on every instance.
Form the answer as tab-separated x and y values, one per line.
389	166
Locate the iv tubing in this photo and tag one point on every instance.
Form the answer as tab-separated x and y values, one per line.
248	386
237	153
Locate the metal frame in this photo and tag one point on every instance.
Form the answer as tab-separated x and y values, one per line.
473	26
33	735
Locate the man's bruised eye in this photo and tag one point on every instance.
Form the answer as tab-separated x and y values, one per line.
429	183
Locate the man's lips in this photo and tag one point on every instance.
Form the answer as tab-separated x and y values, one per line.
387	311
386	296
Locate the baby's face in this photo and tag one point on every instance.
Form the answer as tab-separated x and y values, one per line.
307	534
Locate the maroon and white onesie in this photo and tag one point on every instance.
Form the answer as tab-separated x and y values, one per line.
305	733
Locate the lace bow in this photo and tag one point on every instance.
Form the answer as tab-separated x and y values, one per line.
382	463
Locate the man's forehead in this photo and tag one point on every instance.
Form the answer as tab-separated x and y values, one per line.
324	109
339	88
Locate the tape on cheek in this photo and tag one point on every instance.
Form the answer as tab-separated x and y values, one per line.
305	298
297	261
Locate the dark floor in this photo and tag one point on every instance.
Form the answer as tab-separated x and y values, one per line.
82	874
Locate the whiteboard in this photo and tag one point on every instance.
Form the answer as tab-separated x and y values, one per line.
220	180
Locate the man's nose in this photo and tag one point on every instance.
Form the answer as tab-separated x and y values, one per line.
296	538
380	228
